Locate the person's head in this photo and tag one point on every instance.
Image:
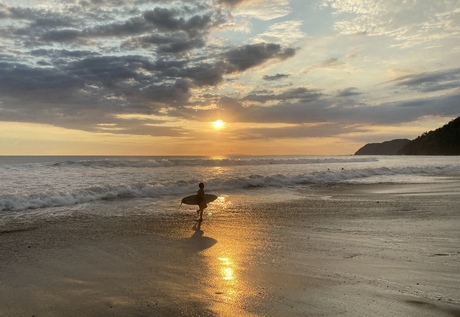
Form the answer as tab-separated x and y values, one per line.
201	185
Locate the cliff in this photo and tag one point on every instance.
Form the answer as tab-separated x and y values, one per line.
384	148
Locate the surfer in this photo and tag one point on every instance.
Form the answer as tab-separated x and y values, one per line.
201	201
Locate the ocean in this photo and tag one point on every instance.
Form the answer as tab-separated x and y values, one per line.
39	187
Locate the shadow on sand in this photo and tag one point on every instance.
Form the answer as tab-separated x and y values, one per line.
198	242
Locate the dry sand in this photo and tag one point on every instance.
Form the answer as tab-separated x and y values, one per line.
351	250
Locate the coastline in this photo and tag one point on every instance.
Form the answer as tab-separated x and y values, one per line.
351	250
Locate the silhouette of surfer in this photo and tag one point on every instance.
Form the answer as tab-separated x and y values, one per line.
201	201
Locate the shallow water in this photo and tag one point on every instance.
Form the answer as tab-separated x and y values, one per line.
40	187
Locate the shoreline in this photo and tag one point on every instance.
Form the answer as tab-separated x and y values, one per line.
354	250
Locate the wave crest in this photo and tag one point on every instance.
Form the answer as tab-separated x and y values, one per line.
59	198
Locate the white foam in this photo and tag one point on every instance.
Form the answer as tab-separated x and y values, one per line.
49	196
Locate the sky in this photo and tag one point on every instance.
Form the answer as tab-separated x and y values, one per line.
285	77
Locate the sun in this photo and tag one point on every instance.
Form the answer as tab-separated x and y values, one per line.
218	124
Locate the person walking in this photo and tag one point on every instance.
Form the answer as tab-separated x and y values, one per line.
201	201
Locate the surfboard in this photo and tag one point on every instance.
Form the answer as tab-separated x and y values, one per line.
193	199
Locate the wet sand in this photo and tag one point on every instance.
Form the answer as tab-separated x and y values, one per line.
349	250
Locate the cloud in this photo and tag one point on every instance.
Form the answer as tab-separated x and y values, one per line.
275	77
264	10
102	65
286	33
132	26
61	35
248	56
171	20
431	81
303	94
329	63
81	67
298	131
172	44
410	22
18	79
410	110
232	2
303	106
349	92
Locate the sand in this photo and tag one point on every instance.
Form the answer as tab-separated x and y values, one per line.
349	250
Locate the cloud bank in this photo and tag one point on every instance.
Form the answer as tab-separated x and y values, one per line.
133	66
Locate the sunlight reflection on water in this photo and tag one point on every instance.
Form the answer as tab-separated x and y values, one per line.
228	261
228	273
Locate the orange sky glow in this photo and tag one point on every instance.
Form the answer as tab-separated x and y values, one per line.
224	77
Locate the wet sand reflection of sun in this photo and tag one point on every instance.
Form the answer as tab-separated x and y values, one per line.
228	260
228	273
228	281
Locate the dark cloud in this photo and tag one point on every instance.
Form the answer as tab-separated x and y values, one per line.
303	94
291	107
301	106
171	20
133	26
299	131
429	82
232	2
154	130
89	63
79	88
109	70
205	74
176	93
172	44
349	92
19	79
330	62
248	56
275	77
53	21
4	12
55	54
61	35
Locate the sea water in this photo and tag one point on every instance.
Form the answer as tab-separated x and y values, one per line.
40	186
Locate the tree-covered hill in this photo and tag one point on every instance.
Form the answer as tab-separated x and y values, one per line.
442	141
385	148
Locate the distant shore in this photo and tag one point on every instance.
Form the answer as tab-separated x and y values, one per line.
349	250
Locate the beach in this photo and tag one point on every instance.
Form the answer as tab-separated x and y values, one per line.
340	250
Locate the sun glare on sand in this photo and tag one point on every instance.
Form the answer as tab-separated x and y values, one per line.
218	124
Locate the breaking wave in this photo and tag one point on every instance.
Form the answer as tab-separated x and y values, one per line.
58	198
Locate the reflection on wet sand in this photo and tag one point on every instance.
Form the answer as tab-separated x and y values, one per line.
228	273
225	282
225	247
